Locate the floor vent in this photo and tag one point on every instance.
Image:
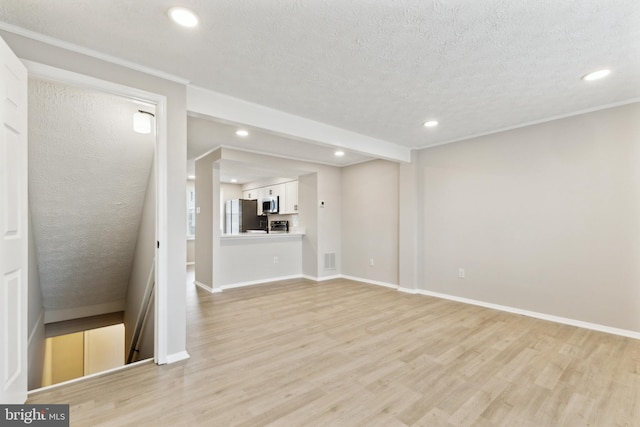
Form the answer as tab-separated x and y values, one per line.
330	261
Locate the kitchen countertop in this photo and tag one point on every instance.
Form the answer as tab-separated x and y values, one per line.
261	235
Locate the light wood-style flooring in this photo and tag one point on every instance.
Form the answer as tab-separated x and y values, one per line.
342	353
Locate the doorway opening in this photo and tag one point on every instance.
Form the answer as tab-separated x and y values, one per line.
94	243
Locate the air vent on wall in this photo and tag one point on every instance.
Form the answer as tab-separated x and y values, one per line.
330	261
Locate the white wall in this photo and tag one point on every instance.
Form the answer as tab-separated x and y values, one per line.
251	260
543	218
176	159
207	219
228	192
142	262
36	350
191	251
103	349
191	244
370	221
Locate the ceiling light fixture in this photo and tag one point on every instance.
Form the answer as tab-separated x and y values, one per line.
233	180
430	123
242	133
191	177
339	153
142	121
183	16
596	75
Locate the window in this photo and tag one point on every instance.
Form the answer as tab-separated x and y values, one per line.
191	210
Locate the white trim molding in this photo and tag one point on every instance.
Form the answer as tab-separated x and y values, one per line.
177	357
534	314
51	41
371	282
162	303
206	288
321	279
86	377
259	282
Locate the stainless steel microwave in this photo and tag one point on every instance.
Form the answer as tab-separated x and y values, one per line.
270	205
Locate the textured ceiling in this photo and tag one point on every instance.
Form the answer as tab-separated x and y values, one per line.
88	173
379	68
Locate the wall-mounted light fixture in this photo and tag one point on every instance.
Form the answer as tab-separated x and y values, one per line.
142	121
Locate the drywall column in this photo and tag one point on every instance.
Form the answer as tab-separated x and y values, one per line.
408	226
215	227
307	199
207	230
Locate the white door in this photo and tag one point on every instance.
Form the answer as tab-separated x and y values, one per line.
13	228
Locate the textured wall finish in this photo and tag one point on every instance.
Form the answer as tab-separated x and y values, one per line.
379	68
88	175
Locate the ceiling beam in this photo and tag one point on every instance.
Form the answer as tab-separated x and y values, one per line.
227	108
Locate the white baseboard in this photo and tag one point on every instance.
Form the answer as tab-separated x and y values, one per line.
176	357
86	377
78	312
206	288
321	279
536	315
371	282
528	313
259	282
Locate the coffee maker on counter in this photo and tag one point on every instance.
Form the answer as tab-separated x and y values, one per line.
279	227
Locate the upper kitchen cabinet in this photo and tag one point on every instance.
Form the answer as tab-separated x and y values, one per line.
287	192
274	191
254	194
290	203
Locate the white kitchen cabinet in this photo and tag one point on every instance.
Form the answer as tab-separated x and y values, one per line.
274	190
254	194
287	192
291	197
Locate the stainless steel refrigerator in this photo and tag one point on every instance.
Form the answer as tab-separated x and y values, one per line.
241	215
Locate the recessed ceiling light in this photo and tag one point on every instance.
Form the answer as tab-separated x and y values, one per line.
596	75
430	123
242	132
183	16
191	177
233	180
339	153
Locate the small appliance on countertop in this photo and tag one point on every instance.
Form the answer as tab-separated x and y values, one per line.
279	227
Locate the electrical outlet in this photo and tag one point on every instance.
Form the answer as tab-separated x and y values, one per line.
371	262
275	259
461	273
